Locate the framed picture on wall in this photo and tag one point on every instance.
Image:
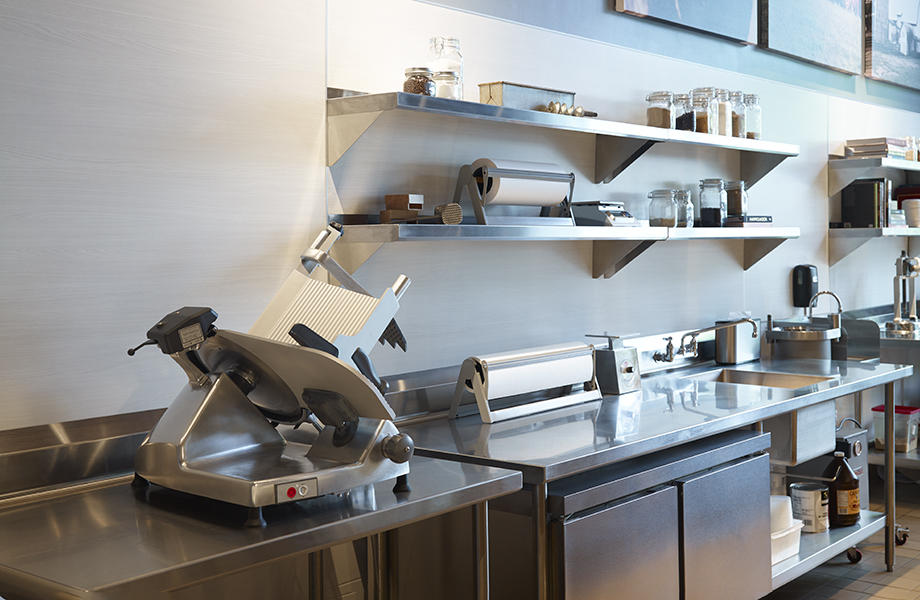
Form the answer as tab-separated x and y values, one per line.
732	19
824	32
893	41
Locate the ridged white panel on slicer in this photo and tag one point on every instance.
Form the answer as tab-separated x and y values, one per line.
328	310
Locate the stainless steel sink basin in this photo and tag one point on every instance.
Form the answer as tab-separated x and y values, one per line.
792	381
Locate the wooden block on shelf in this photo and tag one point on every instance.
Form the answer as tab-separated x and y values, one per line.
404	201
388	216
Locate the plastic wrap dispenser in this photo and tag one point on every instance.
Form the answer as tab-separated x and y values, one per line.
479	177
503	376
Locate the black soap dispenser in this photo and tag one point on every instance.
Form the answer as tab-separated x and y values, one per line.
804	285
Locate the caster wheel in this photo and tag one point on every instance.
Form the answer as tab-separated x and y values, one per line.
854	555
900	538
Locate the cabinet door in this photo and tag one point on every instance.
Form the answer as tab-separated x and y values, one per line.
725	525
627	550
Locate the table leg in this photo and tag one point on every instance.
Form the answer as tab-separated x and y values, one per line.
481	517
541	565
890	515
315	562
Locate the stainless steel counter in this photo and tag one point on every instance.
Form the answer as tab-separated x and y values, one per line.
671	409
115	541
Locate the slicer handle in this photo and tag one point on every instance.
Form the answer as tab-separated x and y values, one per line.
364	364
398	448
308	338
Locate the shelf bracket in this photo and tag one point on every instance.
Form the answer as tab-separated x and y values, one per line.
342	131
354	254
840	177
610	256
754	165
614	154
755	249
841	247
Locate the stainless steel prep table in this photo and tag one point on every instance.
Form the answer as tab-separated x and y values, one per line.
115	541
672	409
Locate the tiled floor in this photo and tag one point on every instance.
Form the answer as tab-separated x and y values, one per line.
841	580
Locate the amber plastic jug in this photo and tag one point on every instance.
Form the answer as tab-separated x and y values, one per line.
843	508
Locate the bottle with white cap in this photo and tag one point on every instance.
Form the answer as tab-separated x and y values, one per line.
843	508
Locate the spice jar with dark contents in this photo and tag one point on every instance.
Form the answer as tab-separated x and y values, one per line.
736	198
683	111
419	81
713	202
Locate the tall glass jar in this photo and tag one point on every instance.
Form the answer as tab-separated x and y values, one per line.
713	201
703	117
705	108
419	81
684	208
444	55
736	199
662	210
683	112
752	116
660	111
724	110
448	85
738	123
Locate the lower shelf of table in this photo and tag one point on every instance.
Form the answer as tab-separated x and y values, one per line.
817	548
904	460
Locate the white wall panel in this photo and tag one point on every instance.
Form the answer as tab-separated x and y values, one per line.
152	155
168	154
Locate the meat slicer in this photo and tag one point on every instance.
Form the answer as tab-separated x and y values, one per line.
220	437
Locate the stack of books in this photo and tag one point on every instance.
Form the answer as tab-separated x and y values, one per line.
869	203
877	147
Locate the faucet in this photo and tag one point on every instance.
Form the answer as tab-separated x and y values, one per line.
691	345
814	302
667	355
834	318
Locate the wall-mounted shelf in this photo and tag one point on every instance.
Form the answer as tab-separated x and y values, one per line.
844	241
617	145
614	247
841	172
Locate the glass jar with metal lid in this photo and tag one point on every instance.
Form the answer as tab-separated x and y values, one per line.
660	111
419	81
705	109
738	117
736	199
684	208
683	112
662	210
444	55
703	118
713	200
724	112
448	85
753	114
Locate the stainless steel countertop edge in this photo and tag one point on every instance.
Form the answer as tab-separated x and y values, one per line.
871	375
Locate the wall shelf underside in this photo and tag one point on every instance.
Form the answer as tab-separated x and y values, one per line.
614	247
617	145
